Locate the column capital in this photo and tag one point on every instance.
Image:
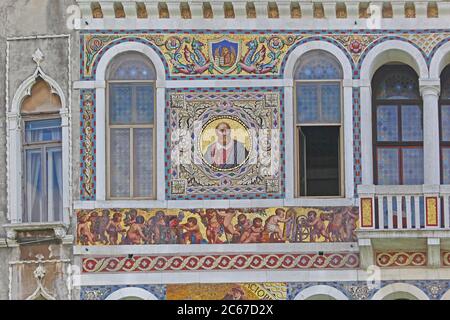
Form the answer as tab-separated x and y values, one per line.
430	87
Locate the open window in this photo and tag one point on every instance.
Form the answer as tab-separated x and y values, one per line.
318	126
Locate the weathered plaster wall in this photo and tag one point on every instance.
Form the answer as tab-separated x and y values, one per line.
25	18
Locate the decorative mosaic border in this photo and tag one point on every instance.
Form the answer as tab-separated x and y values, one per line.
353	290
87	144
401	259
221	262
354	43
359	290
239	192
357	174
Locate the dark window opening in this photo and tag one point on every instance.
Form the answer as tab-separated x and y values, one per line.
319	160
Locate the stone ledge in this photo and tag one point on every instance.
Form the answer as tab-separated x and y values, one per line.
59	229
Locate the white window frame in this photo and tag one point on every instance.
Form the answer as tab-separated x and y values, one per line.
346	125
15	150
100	86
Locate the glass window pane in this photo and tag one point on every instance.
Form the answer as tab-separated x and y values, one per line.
331	103
121	101
54	183
34	193
387	123
143	162
43	130
388	166
445	123
120	163
445	156
412	166
132	69
445	83
317	65
144	104
412	123
307	103
396	83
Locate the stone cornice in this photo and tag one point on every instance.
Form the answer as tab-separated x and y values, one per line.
243	9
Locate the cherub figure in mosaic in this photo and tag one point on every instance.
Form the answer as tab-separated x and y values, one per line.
213	222
135	233
317	226
255	233
84	234
243	226
192	232
114	228
272	227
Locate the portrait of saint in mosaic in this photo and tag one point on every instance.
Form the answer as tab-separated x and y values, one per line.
227	143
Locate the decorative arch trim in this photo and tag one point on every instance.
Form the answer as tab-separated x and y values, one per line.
131	292
440	59
320	290
400	287
131	44
317	43
392	49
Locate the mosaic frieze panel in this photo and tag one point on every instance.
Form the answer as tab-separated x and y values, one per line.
343	260
249	54
212	226
353	290
224	144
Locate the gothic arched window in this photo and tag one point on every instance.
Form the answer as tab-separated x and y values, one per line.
397	126
444	114
318	125
42	155
130	127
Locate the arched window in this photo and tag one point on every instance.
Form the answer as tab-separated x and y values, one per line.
130	127
42	155
397	126
444	113
318	125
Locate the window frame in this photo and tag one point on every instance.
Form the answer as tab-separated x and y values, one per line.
42	146
297	128
398	103
131	128
443	101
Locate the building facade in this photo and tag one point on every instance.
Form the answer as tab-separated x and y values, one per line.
225	150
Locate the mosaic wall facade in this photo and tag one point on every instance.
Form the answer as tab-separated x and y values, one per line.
212	226
253	169
352	290
258	54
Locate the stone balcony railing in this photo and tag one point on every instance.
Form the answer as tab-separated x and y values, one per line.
242	9
412	207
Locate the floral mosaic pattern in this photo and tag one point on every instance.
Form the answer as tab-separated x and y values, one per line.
88	143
